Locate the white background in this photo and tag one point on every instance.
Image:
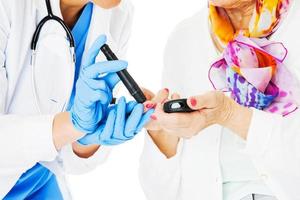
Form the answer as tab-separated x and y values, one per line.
154	20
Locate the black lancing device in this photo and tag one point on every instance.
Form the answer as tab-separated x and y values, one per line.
177	106
125	77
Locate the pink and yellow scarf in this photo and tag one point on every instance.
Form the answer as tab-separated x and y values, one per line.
265	20
251	67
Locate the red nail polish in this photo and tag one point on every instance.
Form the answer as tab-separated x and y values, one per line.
193	102
150	105
153	117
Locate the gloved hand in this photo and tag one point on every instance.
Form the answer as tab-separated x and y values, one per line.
122	123
94	89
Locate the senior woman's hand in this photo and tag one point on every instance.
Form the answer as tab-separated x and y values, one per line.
210	108
216	108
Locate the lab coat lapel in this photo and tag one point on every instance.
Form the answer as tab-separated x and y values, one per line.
41	10
56	8
100	24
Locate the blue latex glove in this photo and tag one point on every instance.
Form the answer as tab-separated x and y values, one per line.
94	89
123	122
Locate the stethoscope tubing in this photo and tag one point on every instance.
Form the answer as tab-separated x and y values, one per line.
41	24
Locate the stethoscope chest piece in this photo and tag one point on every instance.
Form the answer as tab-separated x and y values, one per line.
177	106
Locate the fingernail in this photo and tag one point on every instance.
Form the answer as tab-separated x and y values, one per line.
150	105
193	102
153	117
166	89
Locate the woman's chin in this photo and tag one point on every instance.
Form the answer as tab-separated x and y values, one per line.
107	4
225	3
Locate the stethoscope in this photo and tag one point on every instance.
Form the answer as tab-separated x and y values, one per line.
50	17
39	28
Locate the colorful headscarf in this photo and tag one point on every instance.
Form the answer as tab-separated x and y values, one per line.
251	67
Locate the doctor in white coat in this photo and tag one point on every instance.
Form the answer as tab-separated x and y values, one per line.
37	137
223	151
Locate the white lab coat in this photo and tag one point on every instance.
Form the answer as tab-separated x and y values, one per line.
273	142
26	136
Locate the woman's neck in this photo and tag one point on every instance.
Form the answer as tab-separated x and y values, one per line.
71	10
241	15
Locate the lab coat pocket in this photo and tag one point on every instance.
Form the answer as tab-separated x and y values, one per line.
3	89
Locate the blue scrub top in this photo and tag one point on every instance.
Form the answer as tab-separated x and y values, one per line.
39	183
80	33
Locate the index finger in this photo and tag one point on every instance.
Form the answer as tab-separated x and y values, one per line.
95	70
90	57
161	96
